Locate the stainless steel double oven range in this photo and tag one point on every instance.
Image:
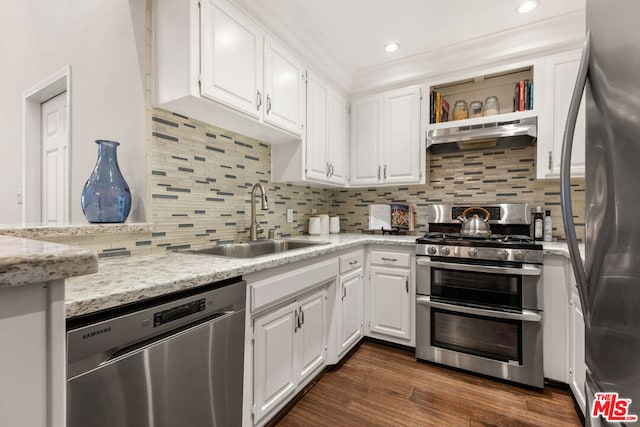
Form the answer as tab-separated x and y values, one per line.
479	298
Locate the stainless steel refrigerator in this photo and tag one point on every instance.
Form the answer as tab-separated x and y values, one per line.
609	280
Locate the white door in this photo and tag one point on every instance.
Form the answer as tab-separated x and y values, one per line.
274	358
311	334
352	310
366	140
390	311
317	137
338	138
284	89
55	161
232	56
562	71
401	146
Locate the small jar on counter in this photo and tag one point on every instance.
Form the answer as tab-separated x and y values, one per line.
460	110
491	106
475	109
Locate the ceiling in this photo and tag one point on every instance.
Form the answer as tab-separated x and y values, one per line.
353	32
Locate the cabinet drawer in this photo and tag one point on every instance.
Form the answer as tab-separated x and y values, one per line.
394	259
351	261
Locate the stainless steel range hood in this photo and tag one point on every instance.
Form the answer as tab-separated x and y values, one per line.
513	133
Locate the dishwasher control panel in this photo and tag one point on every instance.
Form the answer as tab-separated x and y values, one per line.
178	312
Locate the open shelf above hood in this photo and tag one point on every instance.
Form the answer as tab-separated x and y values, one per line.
492	134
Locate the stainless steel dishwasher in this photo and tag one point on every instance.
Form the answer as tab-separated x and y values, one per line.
172	361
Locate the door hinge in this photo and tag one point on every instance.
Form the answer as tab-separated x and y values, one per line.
420	94
305	77
253	410
550	161
199	3
349	108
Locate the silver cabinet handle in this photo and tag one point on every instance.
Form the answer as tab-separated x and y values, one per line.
268	104
328	169
344	292
565	178
378	172
385	172
406	284
258	100
526	315
301	317
354	262
297	322
389	259
331	169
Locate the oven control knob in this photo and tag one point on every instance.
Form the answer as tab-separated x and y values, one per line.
431	250
503	254
473	252
518	255
445	250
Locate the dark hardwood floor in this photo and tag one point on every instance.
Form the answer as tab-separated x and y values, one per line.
381	385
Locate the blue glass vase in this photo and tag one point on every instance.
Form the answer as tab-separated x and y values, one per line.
106	197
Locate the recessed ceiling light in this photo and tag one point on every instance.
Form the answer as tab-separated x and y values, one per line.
391	47
527	6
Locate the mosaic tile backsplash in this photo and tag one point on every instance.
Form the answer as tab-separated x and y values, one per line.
201	179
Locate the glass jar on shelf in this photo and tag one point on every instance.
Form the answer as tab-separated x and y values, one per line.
460	110
491	106
475	109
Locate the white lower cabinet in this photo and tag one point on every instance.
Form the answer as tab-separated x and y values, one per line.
274	356
391	297
577	363
311	334
351	313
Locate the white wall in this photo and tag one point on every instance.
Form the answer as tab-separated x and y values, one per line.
104	43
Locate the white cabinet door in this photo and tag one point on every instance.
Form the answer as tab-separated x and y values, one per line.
232	57
577	370
390	302
284	88
560	80
338	138
401	147
556	317
366	140
351	310
311	334
317	130
275	354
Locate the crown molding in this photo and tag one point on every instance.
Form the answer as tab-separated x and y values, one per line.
296	32
546	37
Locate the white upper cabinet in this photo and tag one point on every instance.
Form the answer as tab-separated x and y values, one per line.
366	140
322	156
283	88
385	138
560	79
231	57
217	65
401	126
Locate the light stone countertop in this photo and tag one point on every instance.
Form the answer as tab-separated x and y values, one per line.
43	231
125	280
24	261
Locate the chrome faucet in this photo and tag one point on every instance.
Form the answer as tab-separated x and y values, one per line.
255	228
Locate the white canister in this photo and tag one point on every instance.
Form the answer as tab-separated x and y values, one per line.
314	225
324	223
334	224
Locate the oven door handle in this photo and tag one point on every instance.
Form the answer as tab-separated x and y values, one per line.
526	315
526	270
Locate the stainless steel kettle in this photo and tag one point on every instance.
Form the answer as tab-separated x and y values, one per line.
475	226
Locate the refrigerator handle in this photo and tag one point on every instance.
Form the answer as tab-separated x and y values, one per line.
565	178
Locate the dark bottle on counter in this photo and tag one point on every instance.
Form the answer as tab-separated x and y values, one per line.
538	224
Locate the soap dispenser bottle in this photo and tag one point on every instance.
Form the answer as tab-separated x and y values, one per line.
548	229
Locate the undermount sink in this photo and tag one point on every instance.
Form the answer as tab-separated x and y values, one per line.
255	249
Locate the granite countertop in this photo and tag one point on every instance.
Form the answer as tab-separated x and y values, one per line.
24	261
124	280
